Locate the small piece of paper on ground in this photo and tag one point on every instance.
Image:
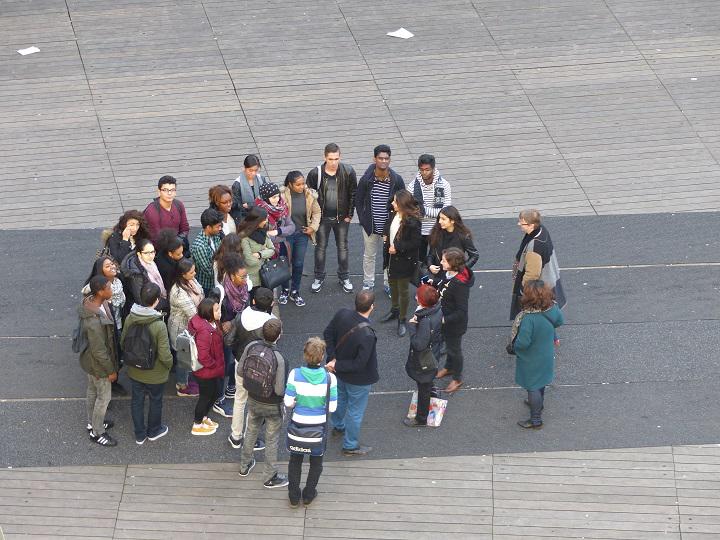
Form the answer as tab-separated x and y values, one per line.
401	33
29	50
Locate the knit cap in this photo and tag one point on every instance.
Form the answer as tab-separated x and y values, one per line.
267	190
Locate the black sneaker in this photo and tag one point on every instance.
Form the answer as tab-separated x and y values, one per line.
308	502
235	443
283	297
163	431
244	471
279	480
107	425
294	504
295	297
413	423
359	451
104	440
259	446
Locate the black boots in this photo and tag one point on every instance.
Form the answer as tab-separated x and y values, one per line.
402	328
392	314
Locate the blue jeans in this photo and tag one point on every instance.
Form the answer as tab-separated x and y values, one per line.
298	242
340	230
351	404
137	408
536	399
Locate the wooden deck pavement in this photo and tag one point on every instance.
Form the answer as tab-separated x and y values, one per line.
647	493
573	106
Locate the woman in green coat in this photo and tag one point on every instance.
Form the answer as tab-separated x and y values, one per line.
256	243
533	334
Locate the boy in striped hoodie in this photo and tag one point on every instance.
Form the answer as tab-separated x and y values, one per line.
305	394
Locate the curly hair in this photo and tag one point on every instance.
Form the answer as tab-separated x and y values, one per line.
143	231
537	295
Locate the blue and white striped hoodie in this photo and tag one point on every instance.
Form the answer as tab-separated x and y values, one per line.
305	393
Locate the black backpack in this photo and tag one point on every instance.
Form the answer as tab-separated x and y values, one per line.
258	370
79	338
138	347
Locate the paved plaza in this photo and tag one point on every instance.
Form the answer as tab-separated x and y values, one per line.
602	113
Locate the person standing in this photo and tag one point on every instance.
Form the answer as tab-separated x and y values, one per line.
280	226
167	212
220	198
138	269
264	407
304	211
100	358
205	245
376	190
205	327
401	255
449	231
533	333
425	335
454	286
310	392
433	193
148	381
170	251
130	228
335	184
246	188
534	260
351	346
257	246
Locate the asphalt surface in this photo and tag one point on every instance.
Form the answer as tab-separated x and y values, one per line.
637	365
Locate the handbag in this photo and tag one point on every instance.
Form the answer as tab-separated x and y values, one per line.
426	360
275	272
187	353
309	439
435	412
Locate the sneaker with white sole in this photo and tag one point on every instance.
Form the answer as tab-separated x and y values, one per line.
107	425
368	286
277	481
104	439
208	422
140	442
244	471
163	431
295	297
283	297
235	443
317	285
386	288
223	408
346	285
202	429
230	392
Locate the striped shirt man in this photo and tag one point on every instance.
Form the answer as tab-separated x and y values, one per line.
379	196
305	394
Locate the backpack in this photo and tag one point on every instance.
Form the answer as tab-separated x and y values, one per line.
187	353
258	370
138	347
79	338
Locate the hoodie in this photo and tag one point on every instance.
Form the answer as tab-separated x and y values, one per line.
454	299
99	359
246	327
424	334
163	359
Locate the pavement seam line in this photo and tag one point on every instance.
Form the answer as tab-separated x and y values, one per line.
122	494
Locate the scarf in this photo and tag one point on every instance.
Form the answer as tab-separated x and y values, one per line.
154	275
275	213
248	193
518	319
195	292
259	236
237	296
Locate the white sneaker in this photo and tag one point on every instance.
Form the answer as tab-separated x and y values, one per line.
346	285
317	285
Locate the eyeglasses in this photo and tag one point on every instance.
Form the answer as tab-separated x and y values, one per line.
523	224
148	252
168	190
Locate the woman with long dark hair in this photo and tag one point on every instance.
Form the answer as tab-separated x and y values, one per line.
138	268
170	249
449	231
401	254
533	333
130	228
246	188
454	286
185	296
257	246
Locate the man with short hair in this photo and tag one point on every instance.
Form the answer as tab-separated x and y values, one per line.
245	328
205	245
335	184
99	359
167	212
265	409
433	193
375	193
148	381
351	346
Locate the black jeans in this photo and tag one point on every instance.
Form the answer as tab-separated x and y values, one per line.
340	230
454	360
423	247
208	393
423	402
536	399
294	472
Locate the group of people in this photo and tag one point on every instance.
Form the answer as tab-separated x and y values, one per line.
151	291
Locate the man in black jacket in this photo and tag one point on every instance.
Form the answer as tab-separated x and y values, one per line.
335	184
351	346
375	192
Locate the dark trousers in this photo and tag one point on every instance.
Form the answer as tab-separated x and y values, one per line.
208	392
294	473
298	243
340	230
454	360
137	409
423	247
536	399
423	402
